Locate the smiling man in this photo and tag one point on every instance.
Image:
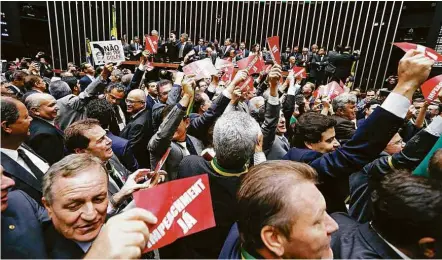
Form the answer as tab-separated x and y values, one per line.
45	138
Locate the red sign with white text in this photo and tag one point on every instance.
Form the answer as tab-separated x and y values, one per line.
201	69
183	207
299	72
247	84
430	53
152	44
331	90
430	88
253	64
274	48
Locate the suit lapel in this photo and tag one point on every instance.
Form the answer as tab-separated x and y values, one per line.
14	169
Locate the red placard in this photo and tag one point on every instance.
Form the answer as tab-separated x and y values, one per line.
247	84
152	44
430	53
183	207
275	51
431	88
201	69
299	72
331	90
253	64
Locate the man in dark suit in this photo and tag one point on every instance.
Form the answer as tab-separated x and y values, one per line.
304	59
18	160
291	64
101	110
138	130
344	106
315	141
33	84
285	56
225	49
242	52
121	182
22	221
317	67
183	46
406	221
151	88
136	48
45	139
17	83
89	72
343	63
211	54
200	49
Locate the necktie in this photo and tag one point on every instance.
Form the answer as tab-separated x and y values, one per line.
181	51
35	170
114	175
285	142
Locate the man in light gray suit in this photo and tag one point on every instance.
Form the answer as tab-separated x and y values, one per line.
73	108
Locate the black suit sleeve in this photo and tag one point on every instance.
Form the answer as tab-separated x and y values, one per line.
48	146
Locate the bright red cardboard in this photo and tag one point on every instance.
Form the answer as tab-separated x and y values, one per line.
430	53
430	88
253	64
152	44
183	207
247	84
331	90
299	72
274	48
201	69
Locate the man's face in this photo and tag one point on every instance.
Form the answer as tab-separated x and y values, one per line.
395	145
321	52
21	126
99	144
349	111
48	109
164	93
281	129
135	103
295	49
88	69
41	85
226	42
242	46
180	133
202	85
201	42
418	106
328	142
115	97
251	93
304	51
152	89
433	110
5	185
287	50
312	227
307	91
314	48
136	40
292	60
370	110
78	210
207	102
182	39
370	95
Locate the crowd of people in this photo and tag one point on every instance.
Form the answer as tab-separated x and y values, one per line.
292	174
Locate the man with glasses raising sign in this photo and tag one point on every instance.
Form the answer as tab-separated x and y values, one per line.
138	130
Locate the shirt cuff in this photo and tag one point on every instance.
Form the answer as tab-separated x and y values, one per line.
273	100
141	67
396	104
227	94
435	128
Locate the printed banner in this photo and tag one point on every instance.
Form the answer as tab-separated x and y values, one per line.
247	84
275	51
152	44
107	51
299	72
430	88
331	90
253	64
430	53
201	69
226	67
183	207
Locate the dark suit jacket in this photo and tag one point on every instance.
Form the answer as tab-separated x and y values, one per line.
46	140
120	147
84	82
317	66
366	144
59	247
23	179
26	240
362	183
150	102
358	241
187	48
344	128
225	51
138	132
343	63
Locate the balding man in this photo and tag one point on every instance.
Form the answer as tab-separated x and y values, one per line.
45	139
138	129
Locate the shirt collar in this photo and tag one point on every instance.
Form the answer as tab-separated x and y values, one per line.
135	115
399	252
11	153
91	77
84	245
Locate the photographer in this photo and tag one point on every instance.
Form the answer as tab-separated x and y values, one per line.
342	62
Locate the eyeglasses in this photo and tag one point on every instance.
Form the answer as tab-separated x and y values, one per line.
128	101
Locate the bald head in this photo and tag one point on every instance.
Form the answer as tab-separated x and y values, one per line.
136	100
42	105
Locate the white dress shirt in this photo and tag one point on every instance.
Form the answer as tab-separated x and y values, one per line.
13	154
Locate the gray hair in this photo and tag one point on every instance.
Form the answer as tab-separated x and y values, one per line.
34	100
118	74
59	89
235	136
254	104
68	167
126	79
343	99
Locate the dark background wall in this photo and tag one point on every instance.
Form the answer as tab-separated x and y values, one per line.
61	28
